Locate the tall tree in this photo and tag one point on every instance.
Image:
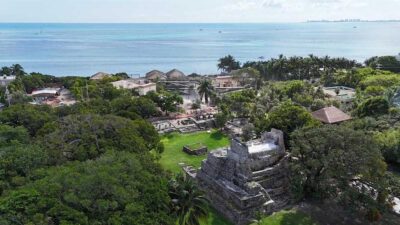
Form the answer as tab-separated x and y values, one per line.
390	63
188	202
228	63
248	76
287	117
118	188
333	161
17	70
374	106
84	137
5	71
31	117
205	90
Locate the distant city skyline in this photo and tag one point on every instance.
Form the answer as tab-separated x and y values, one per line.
204	11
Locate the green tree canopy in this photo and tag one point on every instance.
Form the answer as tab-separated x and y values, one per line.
16	70
13	135
302	68
287	117
18	163
228	63
83	137
248	76
389	63
167	101
329	158
389	143
115	189
374	106
239	103
31	117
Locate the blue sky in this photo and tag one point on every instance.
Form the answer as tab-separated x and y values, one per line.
132	11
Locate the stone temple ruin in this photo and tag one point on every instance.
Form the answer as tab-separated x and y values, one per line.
247	178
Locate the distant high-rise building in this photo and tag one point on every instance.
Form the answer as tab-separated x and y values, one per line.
398	57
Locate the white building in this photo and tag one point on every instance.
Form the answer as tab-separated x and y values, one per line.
141	86
45	93
398	57
6	80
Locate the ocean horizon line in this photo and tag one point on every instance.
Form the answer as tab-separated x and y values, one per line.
258	22
145	23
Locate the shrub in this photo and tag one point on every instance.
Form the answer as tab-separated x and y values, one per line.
374	106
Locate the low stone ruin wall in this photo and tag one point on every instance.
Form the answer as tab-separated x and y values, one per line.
200	151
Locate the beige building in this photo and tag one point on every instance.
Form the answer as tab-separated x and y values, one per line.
141	86
225	81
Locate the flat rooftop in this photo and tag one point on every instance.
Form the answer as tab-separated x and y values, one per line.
258	146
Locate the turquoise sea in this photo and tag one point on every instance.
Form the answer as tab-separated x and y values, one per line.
84	49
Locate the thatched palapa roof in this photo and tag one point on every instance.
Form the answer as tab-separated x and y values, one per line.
175	74
330	115
155	74
100	76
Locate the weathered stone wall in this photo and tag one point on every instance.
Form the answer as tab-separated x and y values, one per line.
200	151
240	183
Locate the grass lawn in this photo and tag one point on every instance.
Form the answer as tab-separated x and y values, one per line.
174	143
291	217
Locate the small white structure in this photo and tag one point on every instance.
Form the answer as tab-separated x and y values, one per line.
6	80
398	57
46	92
141	86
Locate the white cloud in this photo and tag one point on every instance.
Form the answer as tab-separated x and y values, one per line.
194	11
302	10
272	4
291	5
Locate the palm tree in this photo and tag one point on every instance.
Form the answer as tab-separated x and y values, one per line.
228	63
5	71
17	70
188	202
205	90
